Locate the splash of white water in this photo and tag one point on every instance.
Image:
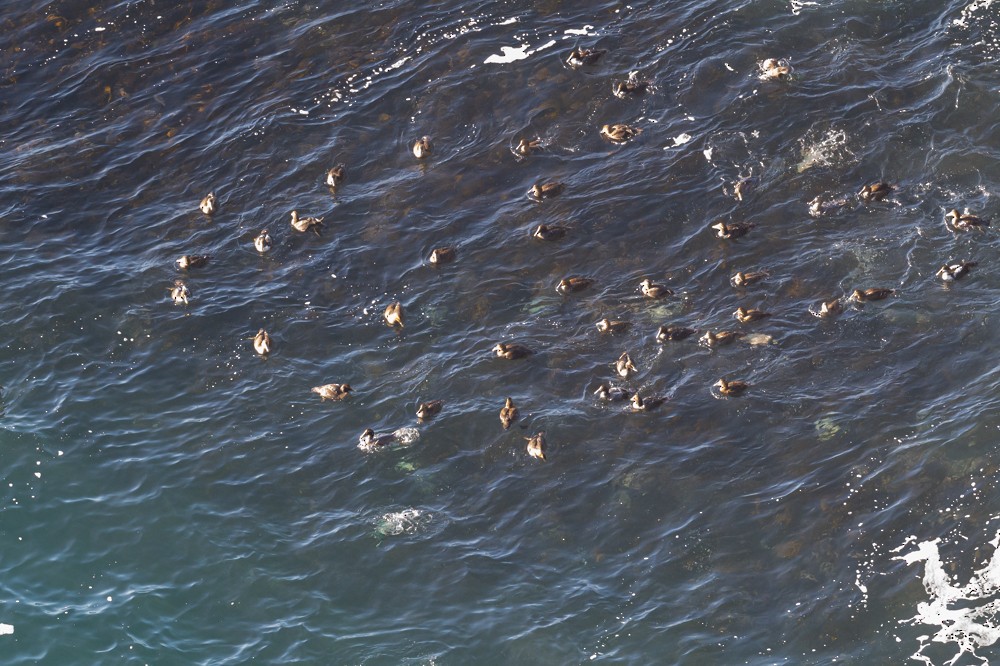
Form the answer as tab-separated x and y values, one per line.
968	616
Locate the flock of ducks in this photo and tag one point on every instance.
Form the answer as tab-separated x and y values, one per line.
624	367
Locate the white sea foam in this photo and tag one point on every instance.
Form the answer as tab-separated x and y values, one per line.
967	616
509	54
407	521
969	10
798	5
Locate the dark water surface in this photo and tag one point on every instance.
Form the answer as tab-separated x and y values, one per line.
172	498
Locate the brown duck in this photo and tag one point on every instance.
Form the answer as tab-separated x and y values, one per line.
536	446
332	391
427	410
511	350
508	413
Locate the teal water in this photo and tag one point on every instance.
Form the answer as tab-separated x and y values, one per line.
172	498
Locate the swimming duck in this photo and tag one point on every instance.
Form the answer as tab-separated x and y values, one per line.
624	366
620	132
527	146
630	86
640	404
369	440
549	232
536	446
179	292
711	339
733	388
573	283
731	230
875	191
612	326
262	243
207	204
304	224
393	314
610	393
673	333
422	147
774	68
334	176
650	290
262	343
508	413
511	350
830	308
426	410
541	191
952	272
332	391
442	255
741	279
872	294
192	261
580	56
966	221
747	315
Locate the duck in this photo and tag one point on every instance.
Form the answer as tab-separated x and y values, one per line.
192	261
393	314
511	350
612	326
332	391
541	191
422	147
262	243
179	293
775	69
956	271
442	255
207	204
673	333
573	283
580	56
640	404
966	221
508	413
536	445
624	366
262	343
871	294
334	176
369	440
527	146
731	230
651	290
549	232
305	224
830	308
721	338
609	393
731	388
747	315
741	279
426	410
875	191
620	132
630	86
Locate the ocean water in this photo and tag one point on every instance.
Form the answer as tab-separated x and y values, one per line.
170	497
